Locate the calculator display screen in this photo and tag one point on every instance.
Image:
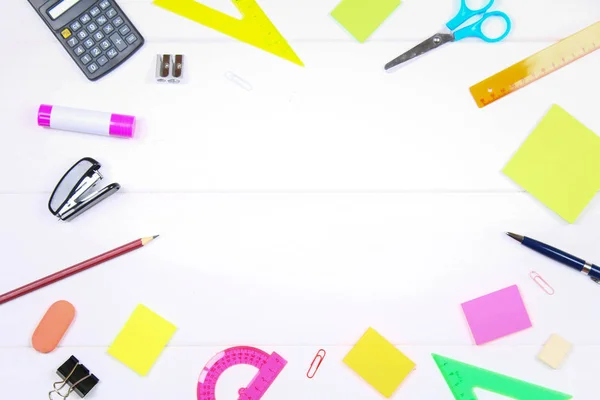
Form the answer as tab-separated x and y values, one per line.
61	7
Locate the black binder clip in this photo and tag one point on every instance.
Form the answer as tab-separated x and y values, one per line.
76	376
74	193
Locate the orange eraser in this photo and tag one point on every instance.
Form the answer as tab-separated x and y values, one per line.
53	326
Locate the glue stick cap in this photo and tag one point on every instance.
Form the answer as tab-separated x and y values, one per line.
122	125
44	113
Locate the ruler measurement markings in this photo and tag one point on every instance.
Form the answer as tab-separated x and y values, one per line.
269	367
537	66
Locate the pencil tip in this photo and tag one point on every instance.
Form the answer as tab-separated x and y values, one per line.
155	236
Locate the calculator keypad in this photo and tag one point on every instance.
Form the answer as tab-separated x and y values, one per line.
92	67
101	20
105	44
131	39
118	42
106	34
88	43
94	12
95	52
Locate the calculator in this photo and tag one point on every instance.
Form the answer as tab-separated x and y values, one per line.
96	33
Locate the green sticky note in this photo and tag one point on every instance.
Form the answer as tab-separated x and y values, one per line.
559	164
362	17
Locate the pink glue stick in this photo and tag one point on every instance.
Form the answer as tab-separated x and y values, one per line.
87	121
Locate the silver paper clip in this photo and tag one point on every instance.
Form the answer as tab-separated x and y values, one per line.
238	81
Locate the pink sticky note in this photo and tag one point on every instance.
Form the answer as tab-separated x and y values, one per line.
496	315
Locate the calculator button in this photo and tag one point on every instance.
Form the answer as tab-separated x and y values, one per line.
108	29
95	12
95	52
92	27
82	34
102	60
104	4
98	36
75	26
118	21
85	18
124	30
111	13
105	44
66	33
86	59
72	41
118	41
92	67
79	50
131	38
88	43
112	53
101	20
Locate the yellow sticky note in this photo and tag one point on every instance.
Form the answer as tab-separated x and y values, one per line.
559	164
142	339
555	351
379	363
362	17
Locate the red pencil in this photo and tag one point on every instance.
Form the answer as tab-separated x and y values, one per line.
75	269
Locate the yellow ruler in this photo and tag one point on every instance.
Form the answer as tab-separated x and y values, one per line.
254	28
537	66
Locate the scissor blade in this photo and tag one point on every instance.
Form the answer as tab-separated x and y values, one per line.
432	43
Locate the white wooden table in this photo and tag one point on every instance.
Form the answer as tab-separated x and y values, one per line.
329	199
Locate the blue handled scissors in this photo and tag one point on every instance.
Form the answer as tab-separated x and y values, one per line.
474	30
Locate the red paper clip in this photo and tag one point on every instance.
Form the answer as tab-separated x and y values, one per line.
312	370
537	278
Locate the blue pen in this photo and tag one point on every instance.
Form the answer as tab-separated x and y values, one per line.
589	269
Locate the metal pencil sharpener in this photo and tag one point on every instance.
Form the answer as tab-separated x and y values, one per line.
169	68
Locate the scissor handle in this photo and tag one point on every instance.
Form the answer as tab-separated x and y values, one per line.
465	13
475	29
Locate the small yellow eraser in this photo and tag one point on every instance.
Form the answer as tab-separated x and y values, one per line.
555	351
